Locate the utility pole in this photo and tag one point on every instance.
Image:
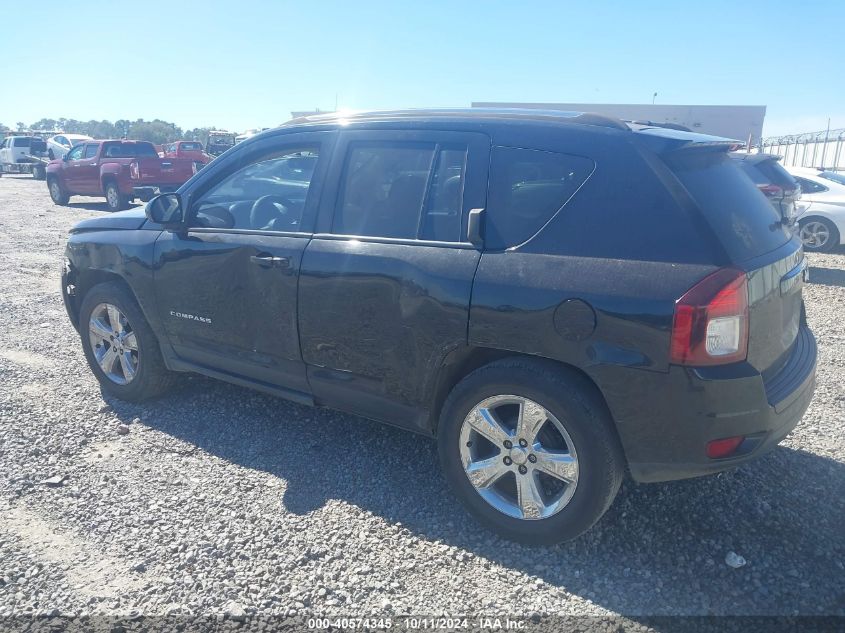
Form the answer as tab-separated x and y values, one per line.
824	147
653	97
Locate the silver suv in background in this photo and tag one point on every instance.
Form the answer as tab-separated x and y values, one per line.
779	187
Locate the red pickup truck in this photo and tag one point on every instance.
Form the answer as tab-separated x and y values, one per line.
118	170
185	149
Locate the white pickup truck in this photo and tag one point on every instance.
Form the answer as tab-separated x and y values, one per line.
24	155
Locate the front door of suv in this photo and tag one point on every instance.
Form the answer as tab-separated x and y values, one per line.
385	284
226	288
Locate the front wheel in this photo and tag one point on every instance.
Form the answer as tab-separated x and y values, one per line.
120	346
57	192
116	200
819	234
530	450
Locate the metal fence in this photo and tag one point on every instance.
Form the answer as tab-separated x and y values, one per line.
812	149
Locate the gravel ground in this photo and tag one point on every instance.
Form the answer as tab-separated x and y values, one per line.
220	500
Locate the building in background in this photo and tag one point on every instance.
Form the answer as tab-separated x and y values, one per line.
732	121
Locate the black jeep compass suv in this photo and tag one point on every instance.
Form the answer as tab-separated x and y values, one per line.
556	297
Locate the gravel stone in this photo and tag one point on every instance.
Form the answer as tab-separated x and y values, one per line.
243	505
732	559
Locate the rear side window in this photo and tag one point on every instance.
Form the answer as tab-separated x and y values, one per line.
527	187
739	214
833	176
23	142
402	190
808	186
129	150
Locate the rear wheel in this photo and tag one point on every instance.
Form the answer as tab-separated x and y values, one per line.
120	346
530	450
39	173
819	234
57	192
116	200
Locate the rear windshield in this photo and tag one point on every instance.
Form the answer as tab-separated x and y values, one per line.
767	172
191	147
129	150
747	224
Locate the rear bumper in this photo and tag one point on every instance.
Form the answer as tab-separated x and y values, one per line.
146	192
665	438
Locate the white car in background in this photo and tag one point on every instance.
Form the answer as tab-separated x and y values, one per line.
61	144
822	218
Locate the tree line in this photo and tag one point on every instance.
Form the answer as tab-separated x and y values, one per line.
156	131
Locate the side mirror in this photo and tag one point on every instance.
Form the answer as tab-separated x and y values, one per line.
166	209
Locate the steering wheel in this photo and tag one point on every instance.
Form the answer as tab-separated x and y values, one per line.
266	209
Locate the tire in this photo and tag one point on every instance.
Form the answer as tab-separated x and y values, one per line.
51	155
819	235
116	200
150	377
39	173
57	192
576	406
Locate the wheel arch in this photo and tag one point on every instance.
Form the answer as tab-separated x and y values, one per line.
463	361
84	280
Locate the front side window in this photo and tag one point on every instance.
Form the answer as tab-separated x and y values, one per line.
527	187
90	151
75	153
402	190
260	196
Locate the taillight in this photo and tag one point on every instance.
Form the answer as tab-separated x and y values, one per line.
710	326
771	190
134	171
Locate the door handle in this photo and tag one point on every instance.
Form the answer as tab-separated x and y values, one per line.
269	261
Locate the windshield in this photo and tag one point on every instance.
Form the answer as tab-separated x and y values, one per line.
834	176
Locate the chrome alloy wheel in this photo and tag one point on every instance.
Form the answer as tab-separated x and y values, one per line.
113	343
55	190
815	234
519	457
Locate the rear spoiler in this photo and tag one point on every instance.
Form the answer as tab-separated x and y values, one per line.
663	140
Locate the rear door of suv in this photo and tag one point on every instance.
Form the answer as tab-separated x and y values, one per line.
385	284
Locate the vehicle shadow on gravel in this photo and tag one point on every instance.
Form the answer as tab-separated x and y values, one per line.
659	550
827	276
